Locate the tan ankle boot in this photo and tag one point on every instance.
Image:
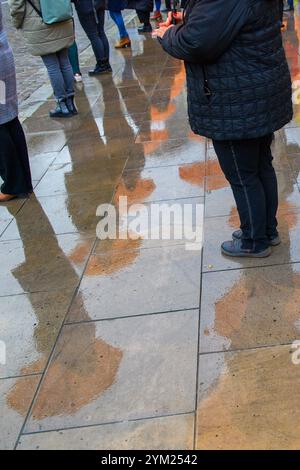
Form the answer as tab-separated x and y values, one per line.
122	43
156	16
6	197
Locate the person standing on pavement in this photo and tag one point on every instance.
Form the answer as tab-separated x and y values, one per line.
239	94
115	10
91	14
14	163
157	13
51	43
143	9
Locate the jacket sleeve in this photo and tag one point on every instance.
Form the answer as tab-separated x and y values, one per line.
209	29
17	11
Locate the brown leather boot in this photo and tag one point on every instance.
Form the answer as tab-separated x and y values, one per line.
7	197
123	43
156	16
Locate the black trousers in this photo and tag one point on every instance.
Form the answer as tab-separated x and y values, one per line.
94	29
281	8
247	165
14	162
144	16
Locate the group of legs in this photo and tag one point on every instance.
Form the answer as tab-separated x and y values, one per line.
63	66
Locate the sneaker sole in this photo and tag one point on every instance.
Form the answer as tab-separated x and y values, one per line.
263	254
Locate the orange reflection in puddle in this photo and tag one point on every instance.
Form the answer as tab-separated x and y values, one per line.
138	193
118	255
84	368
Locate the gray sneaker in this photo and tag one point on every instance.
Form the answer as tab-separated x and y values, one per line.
274	241
234	249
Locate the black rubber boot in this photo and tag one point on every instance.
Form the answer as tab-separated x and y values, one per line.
103	66
71	105
61	110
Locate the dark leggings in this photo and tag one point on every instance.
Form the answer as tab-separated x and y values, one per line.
94	29
247	165
14	162
144	16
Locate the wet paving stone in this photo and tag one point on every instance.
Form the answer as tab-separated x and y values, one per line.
4	223
167	153
76	178
246	400
42	263
57	215
167	433
15	399
237	313
111	372
30	324
164	183
157	280
45	142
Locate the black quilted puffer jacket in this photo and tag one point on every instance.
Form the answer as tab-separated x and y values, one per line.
238	80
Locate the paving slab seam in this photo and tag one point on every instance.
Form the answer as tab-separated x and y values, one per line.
242	268
253	348
139	315
10	377
109	423
199	317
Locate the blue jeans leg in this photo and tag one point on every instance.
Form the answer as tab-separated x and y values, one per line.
157	5
60	74
118	19
67	71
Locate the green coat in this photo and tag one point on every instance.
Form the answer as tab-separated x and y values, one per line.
41	39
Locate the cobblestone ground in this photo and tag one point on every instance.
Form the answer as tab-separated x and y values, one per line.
136	343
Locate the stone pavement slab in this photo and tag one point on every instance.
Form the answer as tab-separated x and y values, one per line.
119	370
167	433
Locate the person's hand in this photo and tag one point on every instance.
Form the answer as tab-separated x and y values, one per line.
178	17
160	32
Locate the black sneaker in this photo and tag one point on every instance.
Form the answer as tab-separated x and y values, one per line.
274	240
234	249
103	66
146	28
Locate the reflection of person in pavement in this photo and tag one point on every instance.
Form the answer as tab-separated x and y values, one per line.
100	375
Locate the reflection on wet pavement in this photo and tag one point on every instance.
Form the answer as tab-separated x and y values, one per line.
101	332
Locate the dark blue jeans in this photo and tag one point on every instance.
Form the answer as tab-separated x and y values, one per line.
247	165
93	25
118	19
60	73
